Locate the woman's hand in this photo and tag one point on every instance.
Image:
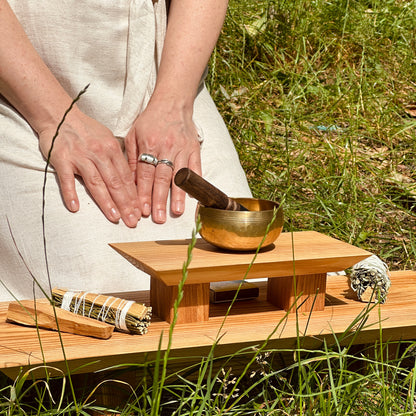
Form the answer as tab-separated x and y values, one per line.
166	131
86	148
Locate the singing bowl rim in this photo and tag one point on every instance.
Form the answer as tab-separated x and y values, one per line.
241	230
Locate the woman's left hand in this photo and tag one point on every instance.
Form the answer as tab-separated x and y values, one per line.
167	133
165	129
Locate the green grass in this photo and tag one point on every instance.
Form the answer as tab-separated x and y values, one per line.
317	96
320	99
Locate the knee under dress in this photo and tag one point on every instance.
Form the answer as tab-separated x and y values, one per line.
114	46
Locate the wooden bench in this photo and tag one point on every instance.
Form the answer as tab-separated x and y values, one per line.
249	324
296	268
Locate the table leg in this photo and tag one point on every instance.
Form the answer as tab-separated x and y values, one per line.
307	290
194	306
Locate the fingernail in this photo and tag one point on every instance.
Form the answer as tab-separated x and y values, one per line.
146	210
160	215
114	214
73	205
179	207
132	220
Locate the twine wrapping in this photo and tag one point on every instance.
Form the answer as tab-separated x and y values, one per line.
370	280
126	316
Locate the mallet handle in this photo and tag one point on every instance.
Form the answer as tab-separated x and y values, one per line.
204	192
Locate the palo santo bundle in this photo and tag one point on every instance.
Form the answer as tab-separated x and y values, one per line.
126	316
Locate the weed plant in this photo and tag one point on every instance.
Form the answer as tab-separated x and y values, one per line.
320	100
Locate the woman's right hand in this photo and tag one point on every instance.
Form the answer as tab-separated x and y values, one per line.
86	148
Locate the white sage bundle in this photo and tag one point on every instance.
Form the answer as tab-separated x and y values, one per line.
126	316
370	280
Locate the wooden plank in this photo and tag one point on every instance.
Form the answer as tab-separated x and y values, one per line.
42	314
306	252
249	323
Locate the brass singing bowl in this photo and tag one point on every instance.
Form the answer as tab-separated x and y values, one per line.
242	230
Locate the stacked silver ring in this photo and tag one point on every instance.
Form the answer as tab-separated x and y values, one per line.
147	158
166	162
153	160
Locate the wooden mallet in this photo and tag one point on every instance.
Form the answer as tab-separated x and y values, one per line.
204	192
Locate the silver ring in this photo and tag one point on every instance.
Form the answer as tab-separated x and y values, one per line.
167	163
147	158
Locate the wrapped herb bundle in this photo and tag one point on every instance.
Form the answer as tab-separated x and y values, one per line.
126	316
370	280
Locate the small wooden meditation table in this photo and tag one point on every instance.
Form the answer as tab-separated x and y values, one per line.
296	267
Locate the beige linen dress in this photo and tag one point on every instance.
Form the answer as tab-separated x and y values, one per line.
115	47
